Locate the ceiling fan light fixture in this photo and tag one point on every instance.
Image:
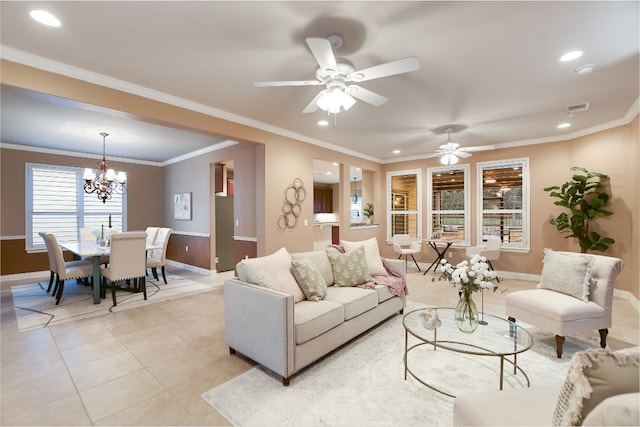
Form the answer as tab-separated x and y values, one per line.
333	99
449	159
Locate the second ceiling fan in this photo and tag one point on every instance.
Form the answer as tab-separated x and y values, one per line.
450	151
340	92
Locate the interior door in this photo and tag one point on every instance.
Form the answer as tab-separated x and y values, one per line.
224	234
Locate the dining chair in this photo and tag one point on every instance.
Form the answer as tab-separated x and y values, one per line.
61	269
152	233
490	250
403	244
87	236
127	262
157	257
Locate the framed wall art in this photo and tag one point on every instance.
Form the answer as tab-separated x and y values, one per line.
182	206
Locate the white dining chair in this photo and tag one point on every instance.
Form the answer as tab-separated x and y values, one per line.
63	270
127	262
403	244
87	236
157	257
490	250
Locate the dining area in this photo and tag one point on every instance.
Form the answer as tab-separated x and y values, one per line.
121	262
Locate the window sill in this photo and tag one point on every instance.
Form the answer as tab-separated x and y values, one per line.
360	227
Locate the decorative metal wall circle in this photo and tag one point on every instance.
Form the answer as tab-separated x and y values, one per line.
294	195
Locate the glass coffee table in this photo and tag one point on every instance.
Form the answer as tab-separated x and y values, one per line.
499	338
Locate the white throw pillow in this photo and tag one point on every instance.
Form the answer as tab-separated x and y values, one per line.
271	271
371	252
566	273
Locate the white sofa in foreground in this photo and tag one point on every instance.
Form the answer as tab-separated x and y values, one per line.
601	389
271	320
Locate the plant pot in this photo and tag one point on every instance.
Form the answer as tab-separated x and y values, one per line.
466	314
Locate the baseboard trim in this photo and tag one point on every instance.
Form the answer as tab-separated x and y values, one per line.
199	270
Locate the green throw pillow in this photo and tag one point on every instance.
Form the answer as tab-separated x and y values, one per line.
309	279
350	269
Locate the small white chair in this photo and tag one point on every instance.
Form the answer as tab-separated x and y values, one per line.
157	257
490	250
564	314
403	244
127	262
63	270
86	235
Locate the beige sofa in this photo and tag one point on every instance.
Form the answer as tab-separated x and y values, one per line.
601	389
268	326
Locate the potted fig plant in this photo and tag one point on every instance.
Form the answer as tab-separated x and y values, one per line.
368	212
585	198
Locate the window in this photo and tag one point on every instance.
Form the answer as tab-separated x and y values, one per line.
57	203
404	203
448	193
503	197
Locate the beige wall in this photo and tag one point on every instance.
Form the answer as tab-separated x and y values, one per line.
280	160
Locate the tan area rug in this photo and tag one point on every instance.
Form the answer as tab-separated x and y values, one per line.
35	308
362	383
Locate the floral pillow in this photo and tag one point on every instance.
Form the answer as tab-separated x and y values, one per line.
309	278
566	273
349	269
372	253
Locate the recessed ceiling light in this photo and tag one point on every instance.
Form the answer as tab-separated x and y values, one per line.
323	123
335	164
44	17
570	56
585	69
396	151
564	125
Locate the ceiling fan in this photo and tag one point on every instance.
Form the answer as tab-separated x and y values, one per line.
338	77
450	151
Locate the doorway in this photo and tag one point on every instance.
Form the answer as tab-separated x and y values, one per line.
225	244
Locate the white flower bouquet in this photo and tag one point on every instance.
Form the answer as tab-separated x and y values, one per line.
469	276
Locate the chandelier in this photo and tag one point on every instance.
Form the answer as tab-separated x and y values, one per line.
105	182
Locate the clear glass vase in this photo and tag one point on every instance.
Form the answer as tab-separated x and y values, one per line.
466	314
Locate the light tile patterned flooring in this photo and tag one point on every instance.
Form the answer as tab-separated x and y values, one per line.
149	365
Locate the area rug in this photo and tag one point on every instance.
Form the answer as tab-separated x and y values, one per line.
362	383
35	308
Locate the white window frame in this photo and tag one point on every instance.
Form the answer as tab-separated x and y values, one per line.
79	213
524	245
418	212
467	201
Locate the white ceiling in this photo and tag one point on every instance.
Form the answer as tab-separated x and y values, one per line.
490	70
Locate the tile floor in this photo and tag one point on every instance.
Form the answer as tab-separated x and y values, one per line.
149	365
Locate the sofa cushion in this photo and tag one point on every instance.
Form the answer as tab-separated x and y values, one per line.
312	319
321	261
618	410
566	273
355	300
349	269
271	271
372	253
309	279
594	375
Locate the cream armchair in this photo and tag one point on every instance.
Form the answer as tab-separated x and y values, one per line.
574	295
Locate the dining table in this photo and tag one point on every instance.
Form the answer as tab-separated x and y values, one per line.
445	243
94	250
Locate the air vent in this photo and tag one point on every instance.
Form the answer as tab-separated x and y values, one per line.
577	108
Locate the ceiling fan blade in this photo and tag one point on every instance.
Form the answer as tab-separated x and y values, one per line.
437	154
288	83
366	95
312	107
400	66
461	153
323	52
478	148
